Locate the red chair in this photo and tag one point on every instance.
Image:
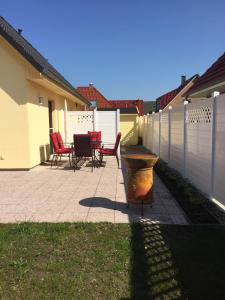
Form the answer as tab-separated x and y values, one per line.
60	140
83	148
111	151
59	148
96	136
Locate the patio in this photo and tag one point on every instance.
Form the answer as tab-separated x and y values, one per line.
46	194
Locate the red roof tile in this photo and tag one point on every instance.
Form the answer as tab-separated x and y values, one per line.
92	94
129	104
165	99
215	74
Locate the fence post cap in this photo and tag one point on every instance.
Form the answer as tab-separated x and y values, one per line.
215	93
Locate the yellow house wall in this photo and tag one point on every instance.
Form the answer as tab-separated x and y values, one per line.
24	124
14	150
38	120
129	129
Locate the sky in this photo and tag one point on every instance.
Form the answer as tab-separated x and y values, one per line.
128	49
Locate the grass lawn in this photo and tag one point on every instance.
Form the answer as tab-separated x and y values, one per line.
108	261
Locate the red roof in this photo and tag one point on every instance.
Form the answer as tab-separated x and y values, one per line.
129	104
165	99
168	97
92	94
215	74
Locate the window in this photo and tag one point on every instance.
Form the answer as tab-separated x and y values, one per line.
93	103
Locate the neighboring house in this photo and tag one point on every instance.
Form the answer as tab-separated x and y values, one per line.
34	100
149	107
130	110
175	97
96	99
212	80
129	123
138	104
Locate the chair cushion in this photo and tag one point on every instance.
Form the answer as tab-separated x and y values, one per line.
95	135
60	140
55	142
64	151
69	149
107	151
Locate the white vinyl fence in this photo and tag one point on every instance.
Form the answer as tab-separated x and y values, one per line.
191	139
80	122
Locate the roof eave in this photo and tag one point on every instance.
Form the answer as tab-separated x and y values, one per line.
40	67
206	87
188	81
70	90
206	90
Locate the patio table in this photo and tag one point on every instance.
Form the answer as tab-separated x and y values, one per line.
94	144
94	147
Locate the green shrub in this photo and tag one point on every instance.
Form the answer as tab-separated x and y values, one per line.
188	196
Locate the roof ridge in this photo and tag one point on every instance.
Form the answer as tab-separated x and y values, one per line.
22	37
93	87
34	57
99	93
92	91
180	87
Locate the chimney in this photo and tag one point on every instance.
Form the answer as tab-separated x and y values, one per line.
91	84
19	31
183	79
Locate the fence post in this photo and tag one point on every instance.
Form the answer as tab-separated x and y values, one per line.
118	126
144	131
147	132
160	116
185	138
169	134
153	124
140	126
213	155
95	121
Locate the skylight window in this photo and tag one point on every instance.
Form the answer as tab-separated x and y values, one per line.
93	104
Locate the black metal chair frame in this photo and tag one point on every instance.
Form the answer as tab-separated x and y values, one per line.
56	156
77	158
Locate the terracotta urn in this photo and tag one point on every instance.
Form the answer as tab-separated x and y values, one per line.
140	177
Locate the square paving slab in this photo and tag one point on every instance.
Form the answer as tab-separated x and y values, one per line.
59	194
